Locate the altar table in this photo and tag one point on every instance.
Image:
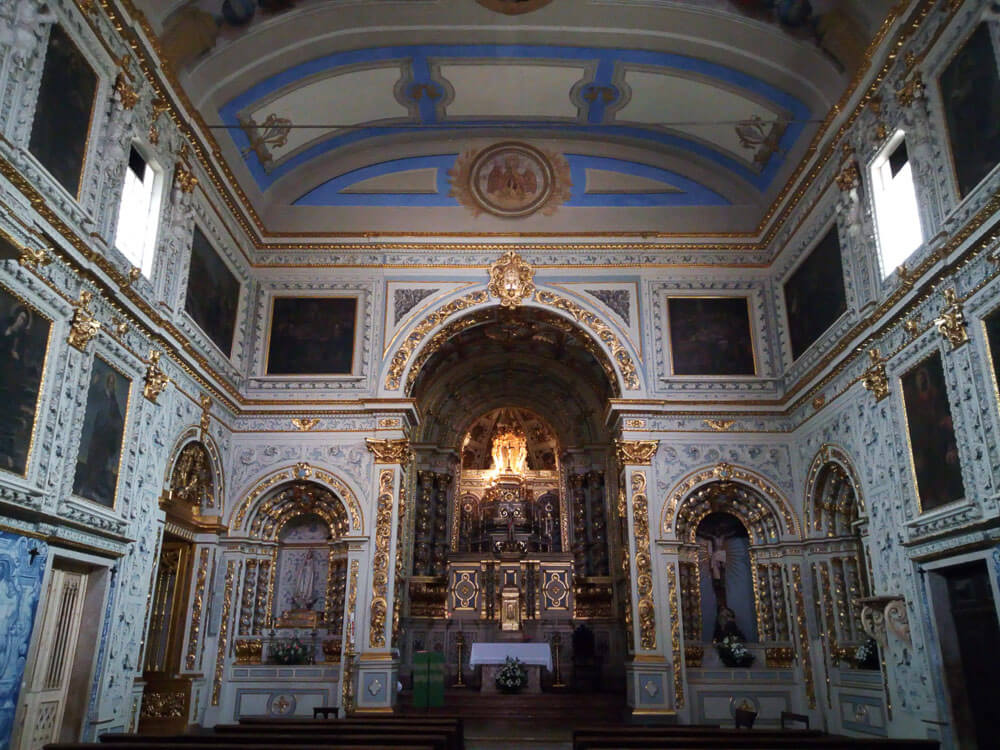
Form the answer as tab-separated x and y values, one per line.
497	653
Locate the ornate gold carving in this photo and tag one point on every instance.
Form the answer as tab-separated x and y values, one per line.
380	562
510	280
184	179
220	657
191	480
781	657
347	670
635	424
951	324
643	563
911	91
875	378
119	327
390	451
304	424
912	326
206	412
693	656
197	606
388	423
27	256
155	381
719	425
675	634
880	614
331	650
126	93
133	274
400	359
273	132
800	619
849	177
636	452
603	331
164	704
819	402
248	650
83	326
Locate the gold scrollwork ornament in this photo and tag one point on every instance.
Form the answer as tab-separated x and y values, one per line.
511	279
636	452
874	378
389	451
84	326
951	324
156	380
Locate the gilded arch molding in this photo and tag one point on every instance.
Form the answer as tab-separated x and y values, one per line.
194	434
251	506
830	453
753	499
435	328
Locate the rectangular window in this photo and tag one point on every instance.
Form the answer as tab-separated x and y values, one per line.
62	114
138	214
896	213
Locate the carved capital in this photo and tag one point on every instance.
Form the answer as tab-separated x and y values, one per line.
875	378
390	451
952	324
511	279
636	452
882	614
84	326
155	381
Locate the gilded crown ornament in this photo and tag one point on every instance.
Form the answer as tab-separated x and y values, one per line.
156	381
511	279
874	378
84	326
951	324
638	452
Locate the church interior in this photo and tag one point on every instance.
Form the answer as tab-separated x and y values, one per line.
586	373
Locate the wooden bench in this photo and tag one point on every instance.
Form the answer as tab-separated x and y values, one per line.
201	744
334	730
425	737
666	739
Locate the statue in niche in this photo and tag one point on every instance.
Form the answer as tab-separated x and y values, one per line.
727	599
191	482
717	564
510	451
305	583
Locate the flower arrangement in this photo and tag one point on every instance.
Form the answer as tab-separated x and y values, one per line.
866	655
733	653
293	651
512	675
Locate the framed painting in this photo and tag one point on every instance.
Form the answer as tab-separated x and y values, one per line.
933	447
991	323
814	294
61	128
970	93
24	339
99	459
311	336
710	336
213	293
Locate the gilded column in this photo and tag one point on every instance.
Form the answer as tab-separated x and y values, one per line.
652	685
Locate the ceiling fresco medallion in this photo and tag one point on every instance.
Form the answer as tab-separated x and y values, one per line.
510	180
513	7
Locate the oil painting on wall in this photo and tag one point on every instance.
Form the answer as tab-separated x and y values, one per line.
62	115
213	293
103	429
312	336
24	338
814	295
970	92
992	323
710	336
932	435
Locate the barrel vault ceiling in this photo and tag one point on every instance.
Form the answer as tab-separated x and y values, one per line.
355	116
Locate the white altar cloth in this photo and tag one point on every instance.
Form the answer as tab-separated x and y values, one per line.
496	653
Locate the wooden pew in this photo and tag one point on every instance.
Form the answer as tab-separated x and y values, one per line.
622	739
201	744
429	738
451	728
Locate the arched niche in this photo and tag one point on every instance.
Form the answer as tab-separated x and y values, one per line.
836	532
726	578
194	479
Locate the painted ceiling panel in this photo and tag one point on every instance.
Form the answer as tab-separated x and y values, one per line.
515	89
414	181
606	181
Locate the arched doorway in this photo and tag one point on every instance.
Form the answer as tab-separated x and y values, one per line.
511	533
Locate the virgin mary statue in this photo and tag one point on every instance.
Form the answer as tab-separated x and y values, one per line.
305	583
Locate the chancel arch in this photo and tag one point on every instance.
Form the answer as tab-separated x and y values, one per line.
509	536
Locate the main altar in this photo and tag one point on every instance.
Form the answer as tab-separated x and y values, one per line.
506	573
